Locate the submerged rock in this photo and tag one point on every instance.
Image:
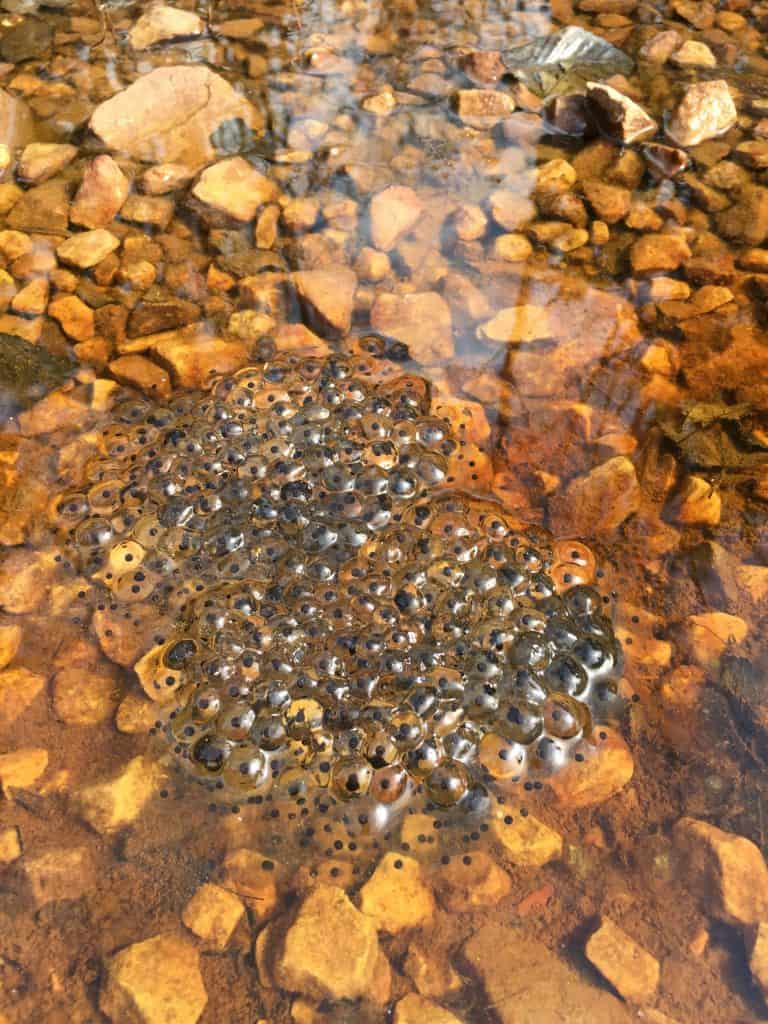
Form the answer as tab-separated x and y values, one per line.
632	971
705	111
156	981
136	121
161	24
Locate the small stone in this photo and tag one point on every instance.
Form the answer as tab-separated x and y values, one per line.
88	248
747	220
373	265
195	357
602	773
600	501
660	47
484	67
135	715
140	372
161	24
85	693
510	210
330	950
327	297
699	13
395	896
413	1009
726	871
20	769
483	108
617	115
610	202
394	212
473	880
758	959
252	876
655	252
694	55
527	842
156	211
64	873
298	338
698	501
101	195
75	318
568	115
234	187
705	111
517	324
213	914
41	160
512	247
10	845
156	981
44	209
632	971
430	972
239	28
164	178
383	103
25	577
421	320
18	689
709	634
10	638
32	300
665	161
29	39
110	806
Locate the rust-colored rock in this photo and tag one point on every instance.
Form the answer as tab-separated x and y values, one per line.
422	320
393	213
102	192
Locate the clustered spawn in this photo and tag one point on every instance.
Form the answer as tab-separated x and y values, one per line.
347	629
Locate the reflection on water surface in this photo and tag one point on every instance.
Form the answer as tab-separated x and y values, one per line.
383	578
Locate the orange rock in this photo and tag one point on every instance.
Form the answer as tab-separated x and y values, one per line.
606	769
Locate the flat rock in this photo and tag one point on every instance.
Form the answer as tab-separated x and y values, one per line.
20	769
476	881
252	876
234	187
10	846
632	971
86	693
413	1009
41	160
705	111
396	896
156	981
102	192
161	24
25	577
31	39
394	211
707	635
136	120
195	357
213	914
527	984
526	841
330	950
327	298
421	320
758	960
601	775
517	324
44	209
617	115
155	317
600	501
87	248
726	871
483	108
64	873
111	805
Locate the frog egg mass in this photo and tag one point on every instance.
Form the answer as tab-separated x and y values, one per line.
350	639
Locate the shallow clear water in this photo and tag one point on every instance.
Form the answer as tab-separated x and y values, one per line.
383	512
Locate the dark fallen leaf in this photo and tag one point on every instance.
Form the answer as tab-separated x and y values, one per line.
565	61
27	373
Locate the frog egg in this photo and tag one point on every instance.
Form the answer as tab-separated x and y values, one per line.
423	760
448	783
210	753
564	717
351	777
236	722
206	705
68	509
568	675
501	757
388	784
521	722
